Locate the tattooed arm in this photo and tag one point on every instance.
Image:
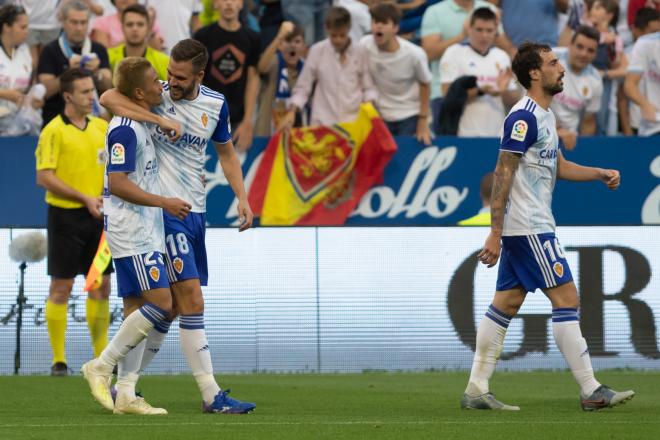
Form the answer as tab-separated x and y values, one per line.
507	164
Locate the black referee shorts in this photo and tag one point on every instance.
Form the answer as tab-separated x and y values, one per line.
73	238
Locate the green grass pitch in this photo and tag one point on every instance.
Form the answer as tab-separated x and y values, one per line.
337	406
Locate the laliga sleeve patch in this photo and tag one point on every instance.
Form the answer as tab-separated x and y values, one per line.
117	154
519	130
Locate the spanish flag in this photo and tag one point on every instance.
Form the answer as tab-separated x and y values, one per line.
317	175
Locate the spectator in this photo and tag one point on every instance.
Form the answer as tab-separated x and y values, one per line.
484	111
232	68
281	64
610	60
400	73
482	218
44	26
642	83
635	5
70	167
443	25
360	17
647	21
71	50
135	25
270	20
544	28
338	71
413	11
575	108
107	30
308	14
15	67
180	17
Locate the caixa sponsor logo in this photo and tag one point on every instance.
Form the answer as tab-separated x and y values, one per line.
548	153
186	138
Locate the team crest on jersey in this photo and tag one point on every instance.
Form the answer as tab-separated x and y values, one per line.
178	265
205	119
117	154
558	268
519	131
154	273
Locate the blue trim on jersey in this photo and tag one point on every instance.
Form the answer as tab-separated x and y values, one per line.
122	145
192	322
210	93
222	132
516	137
532	262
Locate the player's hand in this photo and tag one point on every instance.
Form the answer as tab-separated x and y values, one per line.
243	136
15	96
177	207
649	113
95	206
245	215
287	121
92	63
171	128
74	61
611	178
423	133
491	250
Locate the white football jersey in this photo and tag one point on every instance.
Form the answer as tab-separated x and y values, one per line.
132	229
531	131
15	73
645	60
204	119
582	94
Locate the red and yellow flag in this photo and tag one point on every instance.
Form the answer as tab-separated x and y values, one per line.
317	175
101	261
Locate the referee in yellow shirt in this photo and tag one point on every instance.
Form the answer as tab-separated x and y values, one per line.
70	160
482	218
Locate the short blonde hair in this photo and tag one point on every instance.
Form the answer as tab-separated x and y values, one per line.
130	75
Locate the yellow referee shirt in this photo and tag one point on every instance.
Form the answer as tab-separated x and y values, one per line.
76	155
158	60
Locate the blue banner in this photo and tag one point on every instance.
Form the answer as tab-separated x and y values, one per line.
436	185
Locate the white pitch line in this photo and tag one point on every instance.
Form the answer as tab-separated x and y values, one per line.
338	423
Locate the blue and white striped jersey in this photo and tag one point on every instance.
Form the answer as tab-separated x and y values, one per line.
132	229
531	131
204	119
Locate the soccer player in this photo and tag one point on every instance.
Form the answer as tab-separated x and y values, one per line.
523	230
204	114
133	220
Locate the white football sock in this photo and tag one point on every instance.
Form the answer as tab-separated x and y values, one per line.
568	337
490	341
128	370
154	340
196	348
135	327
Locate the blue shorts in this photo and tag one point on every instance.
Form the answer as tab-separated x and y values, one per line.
139	273
185	241
533	262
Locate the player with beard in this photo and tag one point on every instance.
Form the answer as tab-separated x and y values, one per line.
204	117
523	233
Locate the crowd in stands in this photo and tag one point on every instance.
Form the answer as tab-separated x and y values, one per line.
430	67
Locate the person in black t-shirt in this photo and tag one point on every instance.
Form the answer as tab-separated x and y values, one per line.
234	53
72	49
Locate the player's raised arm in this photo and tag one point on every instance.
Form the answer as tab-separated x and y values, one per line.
120	105
567	170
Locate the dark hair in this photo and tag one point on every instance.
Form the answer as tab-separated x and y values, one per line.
297	31
588	31
9	14
611	6
483	13
384	12
136	9
193	51
528	58
486	186
71	75
337	18
644	16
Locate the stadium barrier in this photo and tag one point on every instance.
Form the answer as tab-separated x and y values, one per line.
436	185
353	299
